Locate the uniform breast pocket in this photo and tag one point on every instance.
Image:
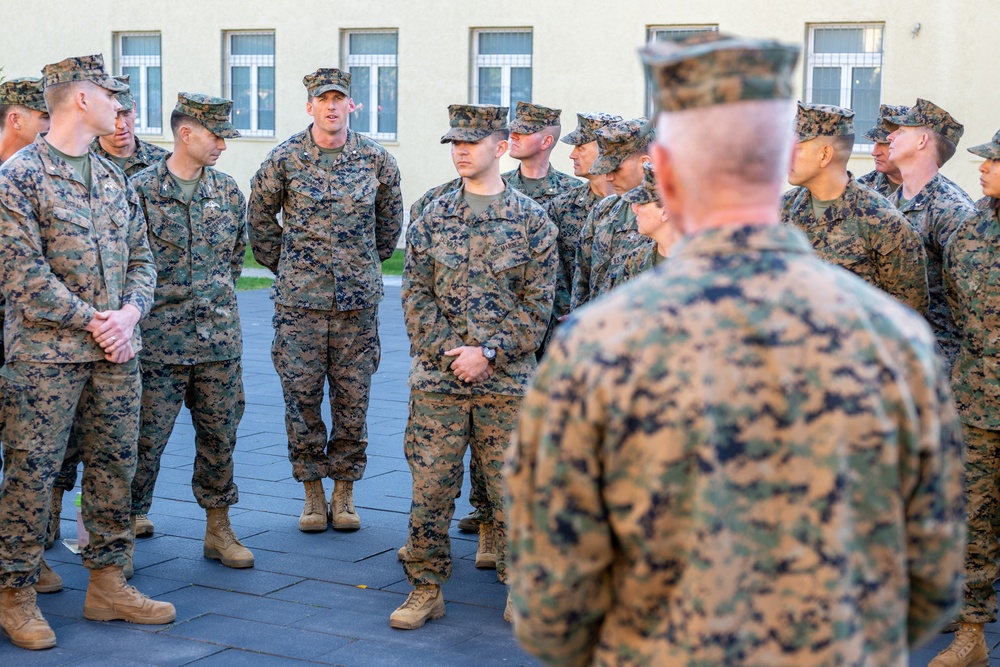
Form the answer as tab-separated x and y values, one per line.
448	269
69	234
168	241
508	266
361	194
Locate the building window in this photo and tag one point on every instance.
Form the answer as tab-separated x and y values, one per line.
249	81
138	55
370	57
501	67
844	68
656	34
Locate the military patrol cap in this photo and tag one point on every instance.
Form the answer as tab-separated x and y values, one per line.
989	150
927	114
25	92
616	141
530	118
82	68
473	122
125	97
325	79
712	68
587	125
822	120
645	192
880	133
212	112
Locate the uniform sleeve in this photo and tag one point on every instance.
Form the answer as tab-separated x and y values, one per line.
902	264
522	330
561	547
388	208
25	275
238	206
140	277
580	294
427	327
267	194
950	267
564	273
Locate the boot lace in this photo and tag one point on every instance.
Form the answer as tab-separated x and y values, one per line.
419	597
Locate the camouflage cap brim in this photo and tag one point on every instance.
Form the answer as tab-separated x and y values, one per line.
319	90
471	134
223	130
578	138
605	164
989	150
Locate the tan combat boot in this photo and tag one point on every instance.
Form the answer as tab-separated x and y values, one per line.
129	568
967	649
55	509
143	526
486	553
423	604
48	580
313	519
470	522
109	598
22	620
343	516
220	540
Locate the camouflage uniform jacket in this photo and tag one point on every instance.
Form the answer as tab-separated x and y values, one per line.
145	154
643	259
878	182
746	457
608	238
199	249
936	212
478	280
418	206
865	234
554	184
337	226
972	284
569	211
67	254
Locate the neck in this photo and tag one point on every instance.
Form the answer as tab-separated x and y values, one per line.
739	215
69	136
183	167
489	183
894	176
124	152
599	186
829	186
329	139
9	145
916	176
536	166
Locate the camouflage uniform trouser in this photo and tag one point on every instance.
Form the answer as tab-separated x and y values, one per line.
39	410
213	392
311	347
439	428
66	479
982	512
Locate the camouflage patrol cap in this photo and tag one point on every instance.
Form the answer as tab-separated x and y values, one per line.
81	68
616	141
712	68
880	133
587	125
212	112
325	79
24	92
822	120
927	114
530	118
125	97
473	122
645	192
989	150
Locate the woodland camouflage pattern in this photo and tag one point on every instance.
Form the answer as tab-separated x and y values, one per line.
587	125
880	133
865	234
696	448
473	122
927	114
879	182
616	141
145	155
555	183
569	212
990	150
822	120
25	92
936	212
530	118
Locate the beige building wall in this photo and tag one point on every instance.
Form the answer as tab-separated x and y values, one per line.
584	57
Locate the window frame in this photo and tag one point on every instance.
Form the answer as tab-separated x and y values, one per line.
140	89
505	61
254	61
375	62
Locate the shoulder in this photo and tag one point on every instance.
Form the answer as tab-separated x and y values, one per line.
793	198
289	145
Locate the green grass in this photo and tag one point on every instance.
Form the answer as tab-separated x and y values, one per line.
247	284
249	262
390	267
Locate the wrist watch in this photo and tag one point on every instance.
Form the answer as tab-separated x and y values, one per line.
489	353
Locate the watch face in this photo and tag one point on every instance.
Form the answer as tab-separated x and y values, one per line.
489	353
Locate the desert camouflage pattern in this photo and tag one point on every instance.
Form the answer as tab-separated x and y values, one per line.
213	392
865	234
475	280
439	429
82	68
313	347
67	253
530	118
990	150
880	133
145	155
587	125
616	141
714	68
554	184
936	212
879	182
339	225
199	248
24	92
822	120
747	456
569	212
927	114
473	122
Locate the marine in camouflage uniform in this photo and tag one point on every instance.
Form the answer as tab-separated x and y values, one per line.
884	178
972	286
935	207
748	456
341	214
477	295
77	273
537	129
610	234
197	233
652	221
848	224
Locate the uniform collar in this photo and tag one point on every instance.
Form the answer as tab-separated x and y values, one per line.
734	240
